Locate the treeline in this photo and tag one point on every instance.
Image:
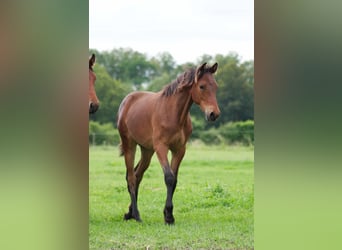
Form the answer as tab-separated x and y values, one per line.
122	71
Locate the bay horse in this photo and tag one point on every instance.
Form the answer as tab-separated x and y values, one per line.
159	122
93	101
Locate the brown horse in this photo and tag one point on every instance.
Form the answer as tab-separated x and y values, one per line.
159	122
93	101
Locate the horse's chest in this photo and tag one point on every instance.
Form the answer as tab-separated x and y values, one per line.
178	138
171	133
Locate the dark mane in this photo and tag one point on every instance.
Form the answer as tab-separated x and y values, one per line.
91	62
184	80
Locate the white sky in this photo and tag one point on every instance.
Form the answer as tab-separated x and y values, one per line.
186	29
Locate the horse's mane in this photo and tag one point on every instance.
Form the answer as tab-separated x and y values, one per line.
184	80
91	67
91	62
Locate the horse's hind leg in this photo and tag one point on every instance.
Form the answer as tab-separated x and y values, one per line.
139	170
141	167
129	149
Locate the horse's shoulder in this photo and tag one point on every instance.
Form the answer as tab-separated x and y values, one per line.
188	125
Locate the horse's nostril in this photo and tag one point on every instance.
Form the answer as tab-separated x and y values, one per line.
93	108
212	116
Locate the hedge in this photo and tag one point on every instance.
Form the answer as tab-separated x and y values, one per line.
230	133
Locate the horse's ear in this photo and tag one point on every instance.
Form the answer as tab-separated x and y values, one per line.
92	60
213	68
199	71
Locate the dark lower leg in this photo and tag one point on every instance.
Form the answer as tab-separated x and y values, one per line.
133	212
171	182
138	175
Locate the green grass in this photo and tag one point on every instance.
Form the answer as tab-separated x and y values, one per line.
213	202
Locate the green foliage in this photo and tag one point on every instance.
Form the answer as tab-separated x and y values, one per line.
211	137
126	65
238	132
100	134
165	63
166	71
236	89
197	127
229	133
159	82
110	93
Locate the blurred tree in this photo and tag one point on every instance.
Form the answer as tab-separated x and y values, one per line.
159	82
166	63
205	58
128	66
236	89
110	93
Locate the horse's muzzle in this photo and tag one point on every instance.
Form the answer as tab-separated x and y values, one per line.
212	116
93	108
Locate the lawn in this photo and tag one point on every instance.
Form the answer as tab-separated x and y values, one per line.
213	201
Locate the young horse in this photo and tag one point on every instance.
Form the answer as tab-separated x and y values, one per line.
159	122
93	101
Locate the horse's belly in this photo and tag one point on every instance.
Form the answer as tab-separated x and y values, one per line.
139	127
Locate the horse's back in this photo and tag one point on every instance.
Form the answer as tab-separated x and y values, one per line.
134	102
134	116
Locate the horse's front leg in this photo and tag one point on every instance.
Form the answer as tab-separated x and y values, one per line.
177	157
170	176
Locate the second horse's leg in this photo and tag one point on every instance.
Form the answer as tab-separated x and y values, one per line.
129	153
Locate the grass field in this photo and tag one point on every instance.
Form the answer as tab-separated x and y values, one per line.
213	202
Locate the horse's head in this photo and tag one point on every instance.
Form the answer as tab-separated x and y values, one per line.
204	89
93	101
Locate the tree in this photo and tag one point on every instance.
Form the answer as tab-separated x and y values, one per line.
110	93
164	66
130	67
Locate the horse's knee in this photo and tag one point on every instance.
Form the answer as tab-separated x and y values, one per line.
170	179
131	182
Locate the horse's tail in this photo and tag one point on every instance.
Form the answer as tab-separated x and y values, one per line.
121	151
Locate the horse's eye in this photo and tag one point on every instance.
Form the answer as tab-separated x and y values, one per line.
201	86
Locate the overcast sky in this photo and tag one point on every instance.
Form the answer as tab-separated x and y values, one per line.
186	29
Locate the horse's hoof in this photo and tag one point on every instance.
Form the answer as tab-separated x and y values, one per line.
128	216
168	216
169	220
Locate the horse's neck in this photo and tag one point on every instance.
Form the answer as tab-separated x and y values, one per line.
183	105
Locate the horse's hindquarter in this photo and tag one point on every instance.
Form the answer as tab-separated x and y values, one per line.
134	120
